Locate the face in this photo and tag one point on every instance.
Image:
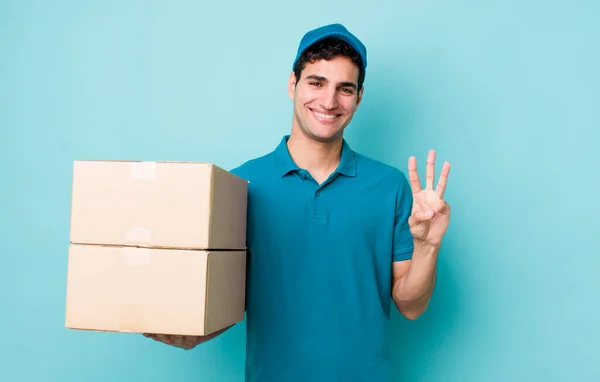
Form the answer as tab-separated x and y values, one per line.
325	98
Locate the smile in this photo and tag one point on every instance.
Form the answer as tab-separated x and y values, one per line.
324	116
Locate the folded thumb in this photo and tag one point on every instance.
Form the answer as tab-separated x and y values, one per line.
424	215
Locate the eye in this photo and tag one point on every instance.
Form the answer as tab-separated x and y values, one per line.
314	83
347	90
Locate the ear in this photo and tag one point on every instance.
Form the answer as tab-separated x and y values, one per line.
359	96
291	85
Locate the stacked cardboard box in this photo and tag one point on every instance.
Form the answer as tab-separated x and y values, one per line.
156	247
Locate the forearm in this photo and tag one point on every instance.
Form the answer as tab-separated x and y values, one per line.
412	292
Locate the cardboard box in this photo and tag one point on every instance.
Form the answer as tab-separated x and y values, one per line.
158	205
142	290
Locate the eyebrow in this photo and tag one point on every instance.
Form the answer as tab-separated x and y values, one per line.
323	79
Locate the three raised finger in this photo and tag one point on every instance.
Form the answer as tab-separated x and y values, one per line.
430	170
441	186
413	176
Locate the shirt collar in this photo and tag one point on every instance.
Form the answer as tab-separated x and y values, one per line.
286	164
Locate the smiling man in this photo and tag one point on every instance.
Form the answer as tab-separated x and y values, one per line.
333	236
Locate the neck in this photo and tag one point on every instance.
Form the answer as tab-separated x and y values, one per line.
320	159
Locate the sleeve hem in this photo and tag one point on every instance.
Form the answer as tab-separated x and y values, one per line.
403	255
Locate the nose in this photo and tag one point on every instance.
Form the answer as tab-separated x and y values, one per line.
329	99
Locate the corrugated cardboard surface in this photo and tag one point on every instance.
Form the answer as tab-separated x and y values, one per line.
158	205
128	289
223	267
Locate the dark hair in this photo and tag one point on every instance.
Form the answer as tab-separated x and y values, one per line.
328	49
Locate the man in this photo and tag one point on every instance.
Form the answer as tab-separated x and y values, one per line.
332	234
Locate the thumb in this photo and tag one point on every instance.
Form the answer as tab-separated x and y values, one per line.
422	215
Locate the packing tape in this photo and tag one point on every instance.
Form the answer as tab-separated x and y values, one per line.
143	170
136	257
139	235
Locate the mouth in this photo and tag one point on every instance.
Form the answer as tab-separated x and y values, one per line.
325	116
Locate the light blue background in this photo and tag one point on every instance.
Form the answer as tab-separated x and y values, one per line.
507	91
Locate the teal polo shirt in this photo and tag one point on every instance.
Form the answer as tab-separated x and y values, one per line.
320	267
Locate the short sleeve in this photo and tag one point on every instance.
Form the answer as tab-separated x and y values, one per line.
403	245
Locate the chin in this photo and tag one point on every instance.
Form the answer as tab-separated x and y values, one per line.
325	136
321	132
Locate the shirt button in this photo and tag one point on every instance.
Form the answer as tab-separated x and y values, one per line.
317	194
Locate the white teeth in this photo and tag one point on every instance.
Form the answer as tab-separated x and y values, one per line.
325	116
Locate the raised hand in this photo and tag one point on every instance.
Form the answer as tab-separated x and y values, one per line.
430	213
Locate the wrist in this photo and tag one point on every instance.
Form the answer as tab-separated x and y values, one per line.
426	248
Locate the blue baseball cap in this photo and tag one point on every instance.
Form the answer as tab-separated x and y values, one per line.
332	30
